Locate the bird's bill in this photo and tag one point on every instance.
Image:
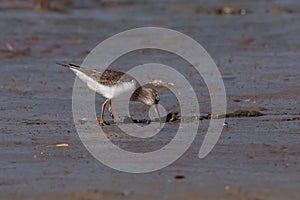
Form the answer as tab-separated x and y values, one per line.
157	112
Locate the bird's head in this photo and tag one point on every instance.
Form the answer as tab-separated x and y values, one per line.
148	96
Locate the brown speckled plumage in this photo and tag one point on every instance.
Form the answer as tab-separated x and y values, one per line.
106	77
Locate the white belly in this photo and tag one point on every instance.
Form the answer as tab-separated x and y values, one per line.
120	91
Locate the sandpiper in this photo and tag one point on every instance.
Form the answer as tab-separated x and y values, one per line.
113	84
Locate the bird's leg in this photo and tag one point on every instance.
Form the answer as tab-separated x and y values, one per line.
101	121
111	113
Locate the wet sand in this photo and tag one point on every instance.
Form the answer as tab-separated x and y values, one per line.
256	47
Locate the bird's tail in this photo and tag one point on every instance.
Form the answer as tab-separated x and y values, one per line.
69	65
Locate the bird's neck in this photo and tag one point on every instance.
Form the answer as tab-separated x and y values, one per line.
136	96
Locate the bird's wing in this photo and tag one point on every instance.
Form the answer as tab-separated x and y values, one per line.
107	77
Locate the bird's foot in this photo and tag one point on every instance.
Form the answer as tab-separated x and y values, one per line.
103	123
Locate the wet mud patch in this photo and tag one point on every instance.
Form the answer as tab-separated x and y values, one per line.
280	10
176	117
30	122
284	119
244	113
225	10
12	53
170	117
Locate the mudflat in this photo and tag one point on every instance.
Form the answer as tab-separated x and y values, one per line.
256	48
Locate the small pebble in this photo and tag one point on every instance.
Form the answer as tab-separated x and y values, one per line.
225	125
